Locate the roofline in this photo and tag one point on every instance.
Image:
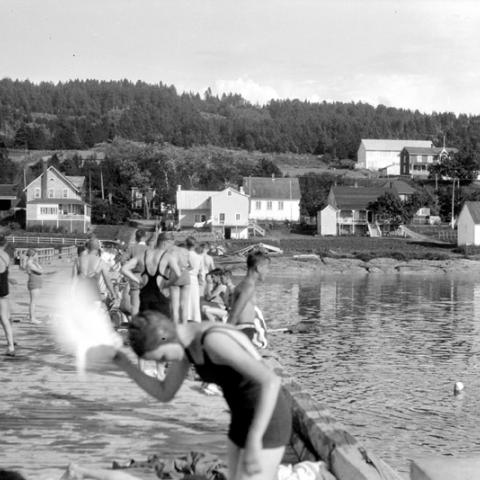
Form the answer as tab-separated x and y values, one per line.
60	175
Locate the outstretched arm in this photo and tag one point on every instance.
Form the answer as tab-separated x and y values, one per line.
163	390
126	270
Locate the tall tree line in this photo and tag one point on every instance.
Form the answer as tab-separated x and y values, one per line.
79	114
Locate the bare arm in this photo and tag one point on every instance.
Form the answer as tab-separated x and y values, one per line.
225	350
34	267
126	270
108	282
164	390
240	301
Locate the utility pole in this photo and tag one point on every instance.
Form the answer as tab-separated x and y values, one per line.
101	183
453	201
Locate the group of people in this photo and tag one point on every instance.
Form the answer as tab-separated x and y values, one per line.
187	313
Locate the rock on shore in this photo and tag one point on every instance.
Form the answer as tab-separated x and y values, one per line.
310	264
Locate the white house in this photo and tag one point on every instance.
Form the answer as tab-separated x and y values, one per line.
468	224
226	211
377	154
54	200
273	199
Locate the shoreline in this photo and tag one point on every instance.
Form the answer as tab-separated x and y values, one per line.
312	264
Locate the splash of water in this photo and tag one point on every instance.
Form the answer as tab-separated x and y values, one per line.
82	327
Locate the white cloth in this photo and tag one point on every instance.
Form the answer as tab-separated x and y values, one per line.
304	471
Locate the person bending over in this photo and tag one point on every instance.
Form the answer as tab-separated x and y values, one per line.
260	423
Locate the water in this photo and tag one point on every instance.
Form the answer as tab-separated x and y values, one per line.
383	353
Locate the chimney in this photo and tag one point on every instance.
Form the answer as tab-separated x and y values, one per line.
242	190
179	187
44	179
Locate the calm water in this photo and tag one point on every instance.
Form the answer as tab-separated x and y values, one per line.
383	354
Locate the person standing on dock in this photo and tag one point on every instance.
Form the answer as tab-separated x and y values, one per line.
34	283
137	251
196	280
4	291
208	264
244	313
260	425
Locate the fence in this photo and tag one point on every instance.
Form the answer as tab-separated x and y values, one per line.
45	255
42	240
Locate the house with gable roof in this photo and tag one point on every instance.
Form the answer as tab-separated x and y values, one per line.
378	154
225	211
414	161
54	200
273	199
468	224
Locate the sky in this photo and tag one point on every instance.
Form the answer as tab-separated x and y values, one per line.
415	54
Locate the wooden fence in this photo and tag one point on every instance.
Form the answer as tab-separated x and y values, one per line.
41	240
47	255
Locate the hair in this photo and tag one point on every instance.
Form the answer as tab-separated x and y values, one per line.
256	258
190	242
93	244
140	234
150	329
81	248
163	237
31	252
227	272
3	241
10	475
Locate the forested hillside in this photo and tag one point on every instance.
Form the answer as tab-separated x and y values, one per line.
80	114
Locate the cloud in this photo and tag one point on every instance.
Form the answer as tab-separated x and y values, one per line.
247	88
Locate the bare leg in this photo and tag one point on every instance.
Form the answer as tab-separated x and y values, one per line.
33	303
175	303
184	300
7	326
270	459
134	301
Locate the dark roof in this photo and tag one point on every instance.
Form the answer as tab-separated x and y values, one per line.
350	198
399	187
8	191
272	188
429	151
58	201
474	209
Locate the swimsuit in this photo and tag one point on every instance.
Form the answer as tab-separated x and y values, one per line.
151	298
34	280
242	396
4	282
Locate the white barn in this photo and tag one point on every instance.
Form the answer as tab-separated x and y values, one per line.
377	154
468	224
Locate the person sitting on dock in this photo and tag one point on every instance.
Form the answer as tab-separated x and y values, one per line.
244	313
260	424
214	304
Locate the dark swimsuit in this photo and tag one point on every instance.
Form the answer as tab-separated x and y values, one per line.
4	283
242	395
151	298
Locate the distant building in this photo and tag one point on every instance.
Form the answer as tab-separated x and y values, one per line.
225	211
414	161
54	200
273	199
468	224
8	199
377	154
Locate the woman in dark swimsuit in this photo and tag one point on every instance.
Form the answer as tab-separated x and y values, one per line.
260	414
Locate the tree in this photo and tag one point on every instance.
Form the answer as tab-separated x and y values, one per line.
389	209
463	166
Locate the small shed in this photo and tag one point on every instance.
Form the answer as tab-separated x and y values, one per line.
327	221
468	224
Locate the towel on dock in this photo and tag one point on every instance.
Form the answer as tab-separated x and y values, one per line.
193	466
304	471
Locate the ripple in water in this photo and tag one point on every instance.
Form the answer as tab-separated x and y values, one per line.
383	353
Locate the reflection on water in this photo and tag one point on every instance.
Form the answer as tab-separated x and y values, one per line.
383	354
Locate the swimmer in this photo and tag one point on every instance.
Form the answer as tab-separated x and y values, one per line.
260	423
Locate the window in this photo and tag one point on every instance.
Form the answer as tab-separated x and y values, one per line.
258	205
48	210
280	205
50	193
221	217
197	218
237	217
229	193
269	205
36	193
65	193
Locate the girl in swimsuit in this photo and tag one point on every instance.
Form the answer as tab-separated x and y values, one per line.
260	414
34	284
